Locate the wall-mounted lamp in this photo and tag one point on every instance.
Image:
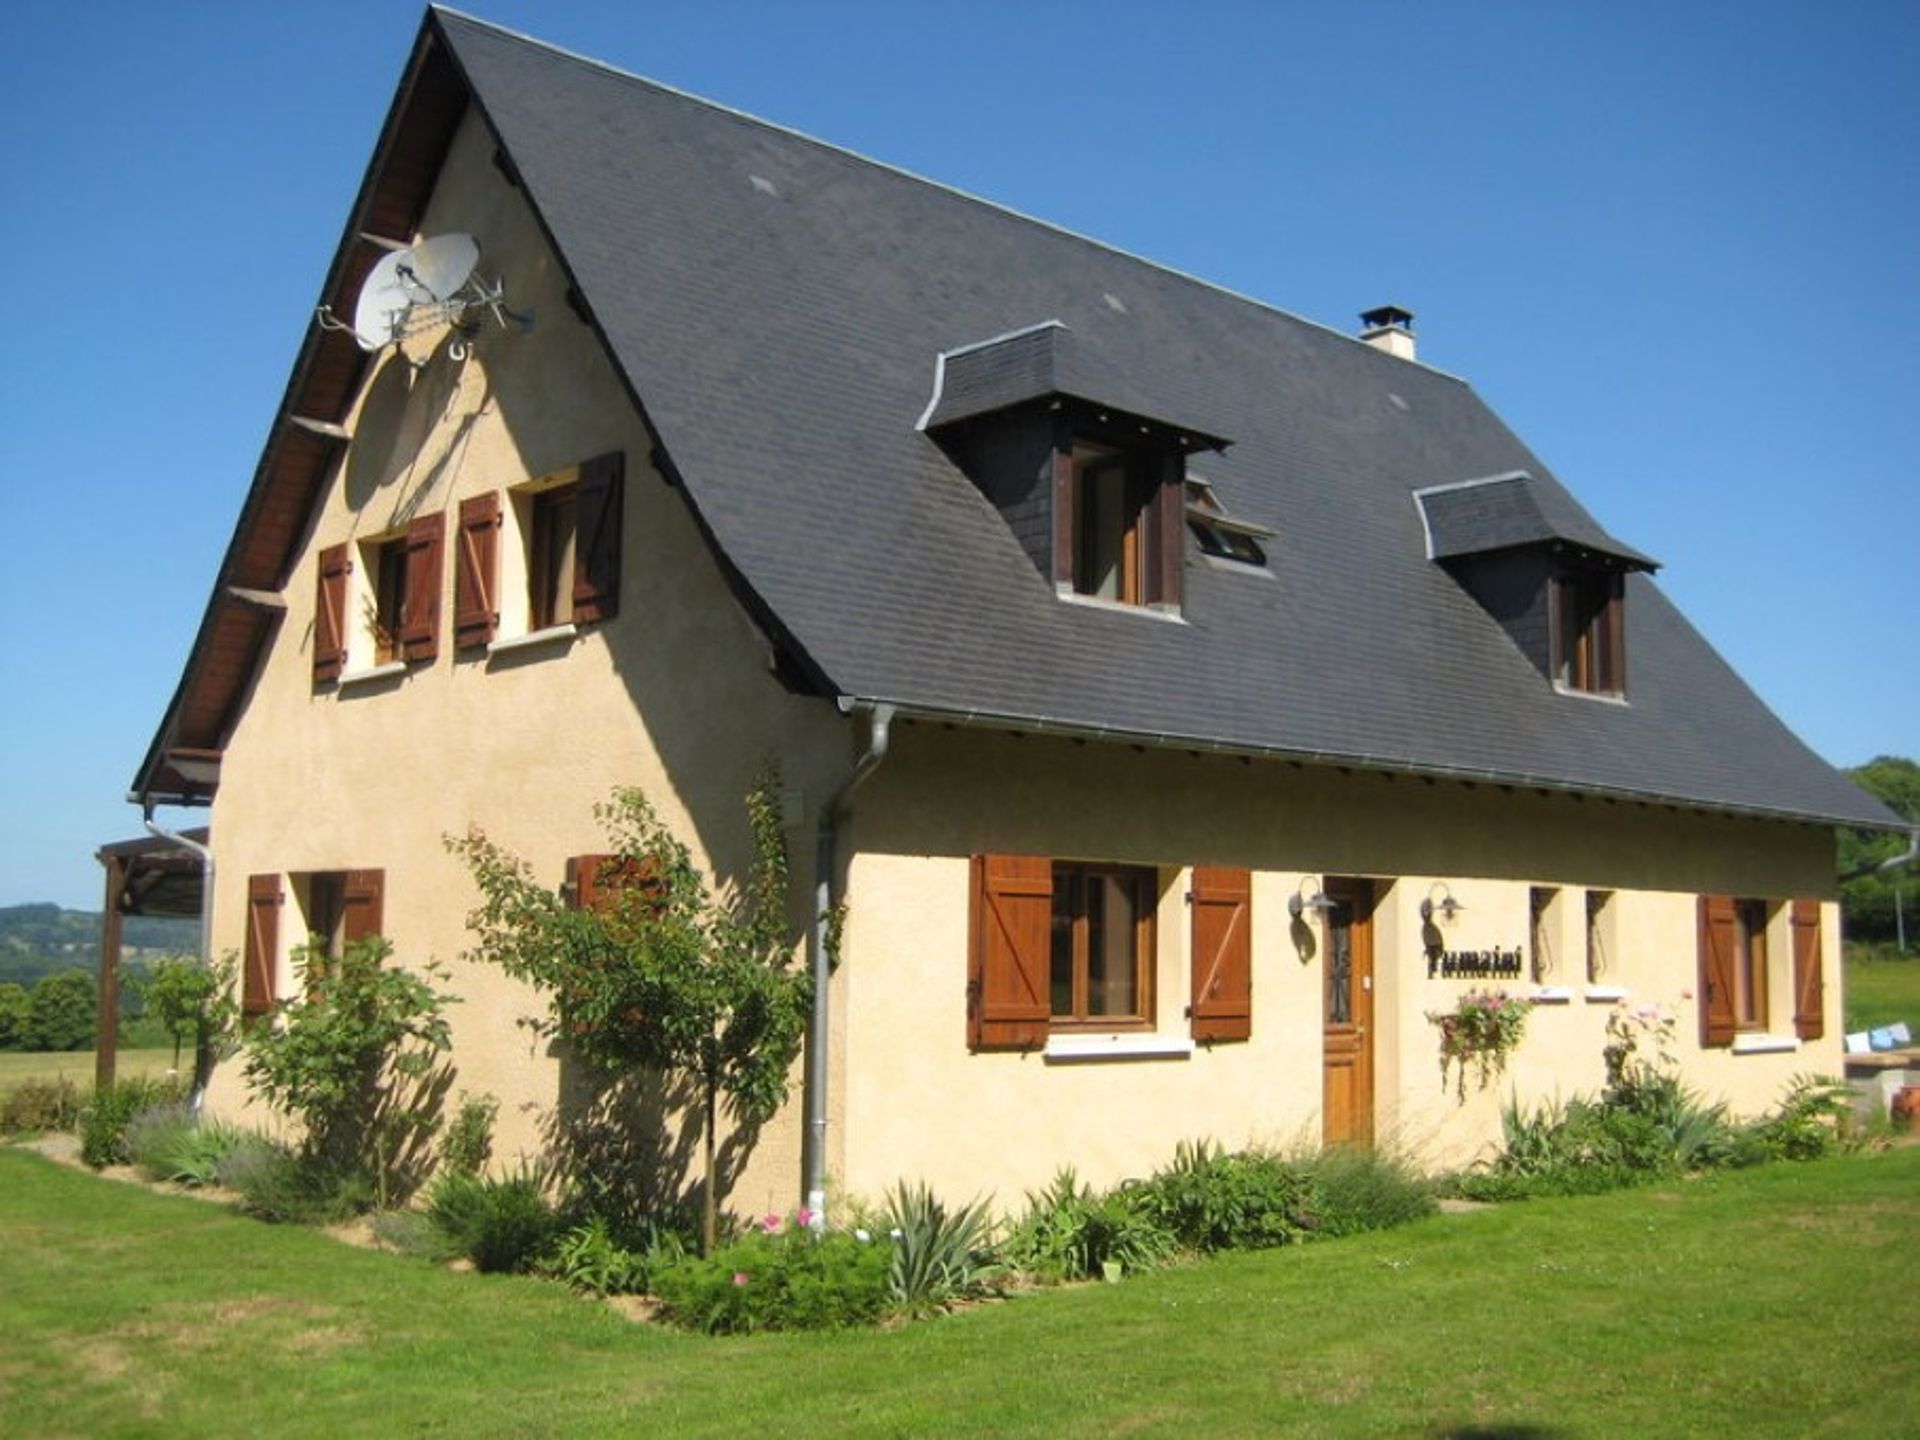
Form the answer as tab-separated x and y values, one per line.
1446	907
1298	904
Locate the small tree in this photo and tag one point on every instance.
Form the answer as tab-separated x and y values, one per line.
14	1012
60	1012
662	974
349	1056
194	1003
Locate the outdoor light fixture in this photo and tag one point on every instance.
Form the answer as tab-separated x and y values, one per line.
1318	902
1446	907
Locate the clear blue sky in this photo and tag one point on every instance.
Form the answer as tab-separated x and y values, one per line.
1677	246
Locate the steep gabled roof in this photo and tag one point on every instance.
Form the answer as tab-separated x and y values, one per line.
778	308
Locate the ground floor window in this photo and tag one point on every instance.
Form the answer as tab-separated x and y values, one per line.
1101	970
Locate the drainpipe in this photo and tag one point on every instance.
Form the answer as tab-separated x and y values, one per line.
202	1055
826	853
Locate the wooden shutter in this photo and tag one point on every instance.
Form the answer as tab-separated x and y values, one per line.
1222	903
420	614
476	610
1719	942
1010	951
1167	523
263	944
1809	985
593	881
596	563
362	905
1614	632
330	615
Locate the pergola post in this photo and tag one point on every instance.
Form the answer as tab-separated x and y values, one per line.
106	1044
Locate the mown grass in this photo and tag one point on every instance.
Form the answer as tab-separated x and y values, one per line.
1882	986
1775	1302
77	1065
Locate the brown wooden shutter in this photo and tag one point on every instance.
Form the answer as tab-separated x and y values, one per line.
1615	627
362	905
1809	984
1065	534
476	611
1167	522
1010	948
263	944
1718	942
1222	902
585	890
330	615
420	615
593	881
596	563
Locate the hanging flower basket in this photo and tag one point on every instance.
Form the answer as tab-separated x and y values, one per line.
1481	1032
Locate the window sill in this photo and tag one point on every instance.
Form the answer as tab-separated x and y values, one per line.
533	639
373	674
1606	994
1604	697
1069	596
1551	995
1756	1043
1117	1047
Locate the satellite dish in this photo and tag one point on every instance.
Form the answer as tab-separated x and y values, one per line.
424	286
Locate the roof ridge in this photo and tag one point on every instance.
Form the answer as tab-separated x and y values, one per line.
900	170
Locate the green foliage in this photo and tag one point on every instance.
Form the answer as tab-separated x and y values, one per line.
501	1225
15	1010
1207	1200
173	1143
1354	1190
1481	1031
1814	1119
938	1255
467	1143
60	1012
37	1104
282	1186
353	1058
105	1117
1071	1233
193	1003
1882	985
665	975
589	1257
780	1276
1867	902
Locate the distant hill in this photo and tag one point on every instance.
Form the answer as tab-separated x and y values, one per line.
37	940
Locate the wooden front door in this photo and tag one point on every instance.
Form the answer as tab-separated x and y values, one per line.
1347	1016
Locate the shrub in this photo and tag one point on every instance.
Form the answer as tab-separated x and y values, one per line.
1071	1233
170	1142
1356	1190
588	1257
279	1186
1815	1119
1206	1200
467	1144
105	1117
778	1277
938	1255
500	1225
36	1105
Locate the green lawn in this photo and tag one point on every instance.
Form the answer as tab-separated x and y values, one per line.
77	1065
1882	987
1775	1302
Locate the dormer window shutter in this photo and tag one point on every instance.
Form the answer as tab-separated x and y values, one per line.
1809	985
596	575
1009	1002
330	615
1222	953
476	580
420	622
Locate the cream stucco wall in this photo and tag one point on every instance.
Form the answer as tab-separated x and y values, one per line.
673	695
920	1104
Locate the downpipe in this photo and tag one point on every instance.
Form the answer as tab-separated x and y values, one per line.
825	858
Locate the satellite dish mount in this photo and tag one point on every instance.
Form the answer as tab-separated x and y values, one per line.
411	291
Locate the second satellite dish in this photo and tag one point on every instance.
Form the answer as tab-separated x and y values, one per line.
412	290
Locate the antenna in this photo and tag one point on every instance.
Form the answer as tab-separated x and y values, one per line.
411	291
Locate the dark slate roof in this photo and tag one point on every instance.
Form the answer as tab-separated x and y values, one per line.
777	307
1046	360
1474	517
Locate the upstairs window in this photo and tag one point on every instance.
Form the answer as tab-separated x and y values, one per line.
1112	504
389	598
1219	535
547	558
551	552
1587	615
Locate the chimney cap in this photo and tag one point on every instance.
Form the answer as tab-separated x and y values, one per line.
1388	317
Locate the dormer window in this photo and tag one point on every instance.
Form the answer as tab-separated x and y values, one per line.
1111	508
1589	631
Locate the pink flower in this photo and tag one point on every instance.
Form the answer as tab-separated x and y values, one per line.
739	1277
771	1224
803	1217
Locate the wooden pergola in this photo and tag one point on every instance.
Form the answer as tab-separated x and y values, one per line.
147	876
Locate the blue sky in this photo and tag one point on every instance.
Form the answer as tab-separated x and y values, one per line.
1676	246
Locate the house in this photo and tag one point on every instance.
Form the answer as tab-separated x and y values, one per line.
1185	699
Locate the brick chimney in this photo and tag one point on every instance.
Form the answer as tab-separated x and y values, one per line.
1389	328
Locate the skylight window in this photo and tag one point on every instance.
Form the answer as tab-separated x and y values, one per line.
1221	536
